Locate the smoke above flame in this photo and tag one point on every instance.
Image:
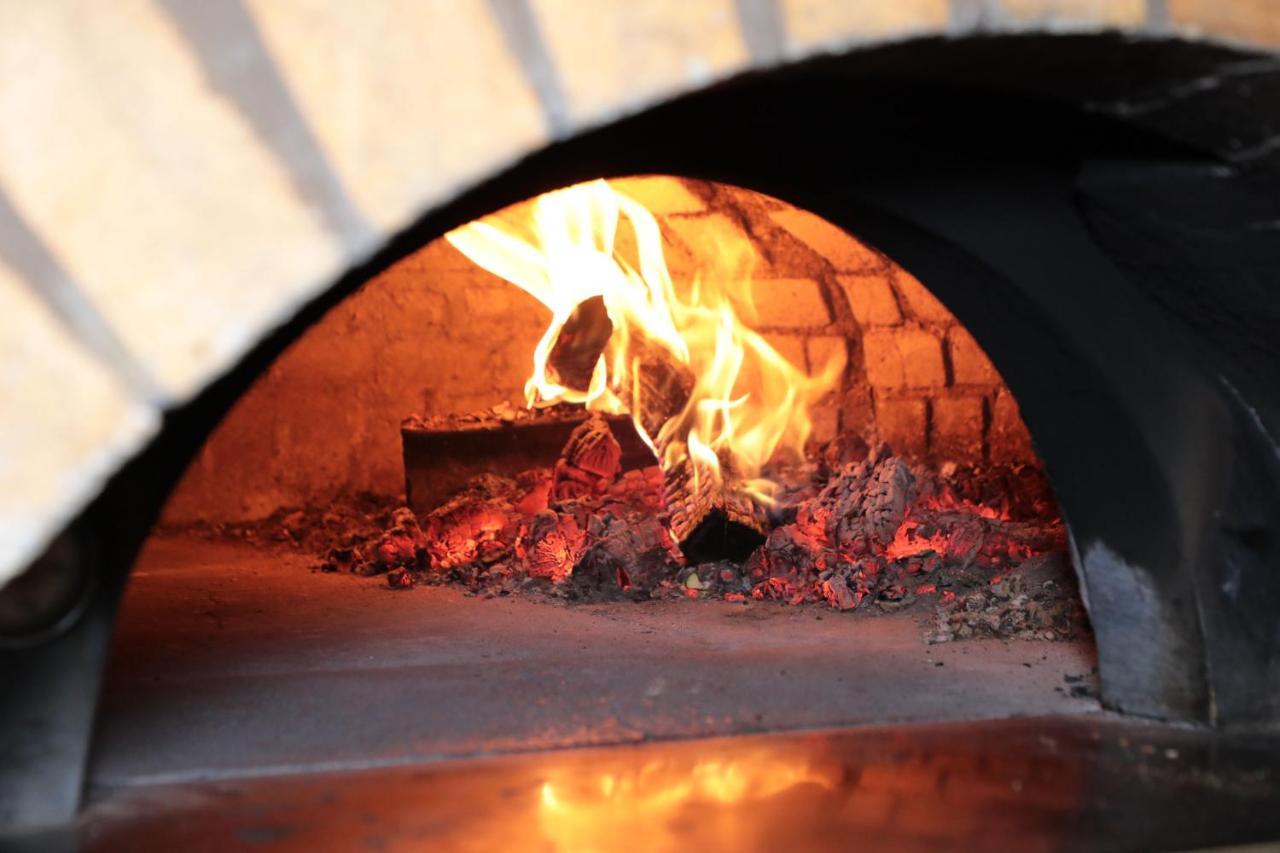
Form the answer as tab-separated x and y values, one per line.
740	401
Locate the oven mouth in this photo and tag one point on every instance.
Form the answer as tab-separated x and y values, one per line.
453	481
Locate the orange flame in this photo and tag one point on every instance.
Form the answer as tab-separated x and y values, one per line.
589	240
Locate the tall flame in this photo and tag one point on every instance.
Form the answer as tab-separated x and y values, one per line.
590	240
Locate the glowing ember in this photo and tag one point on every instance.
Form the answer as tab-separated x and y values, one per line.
711	396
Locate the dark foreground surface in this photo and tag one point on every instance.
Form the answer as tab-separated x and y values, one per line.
1094	783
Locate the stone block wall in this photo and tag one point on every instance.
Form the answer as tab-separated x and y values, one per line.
435	334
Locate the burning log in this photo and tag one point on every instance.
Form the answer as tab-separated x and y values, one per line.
627	554
662	387
862	507
712	517
441	455
402	546
579	344
589	463
551	546
457	530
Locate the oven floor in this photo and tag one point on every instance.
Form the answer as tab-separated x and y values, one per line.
231	662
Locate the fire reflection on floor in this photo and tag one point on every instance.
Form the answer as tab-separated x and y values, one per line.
1048	783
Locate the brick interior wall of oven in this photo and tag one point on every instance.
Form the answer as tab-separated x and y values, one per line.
435	334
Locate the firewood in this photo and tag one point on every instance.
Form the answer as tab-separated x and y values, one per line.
664	385
589	463
713	517
441	455
709	521
579	344
455	530
710	517
551	546
628	553
862	507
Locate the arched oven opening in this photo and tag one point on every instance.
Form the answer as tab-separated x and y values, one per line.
648	458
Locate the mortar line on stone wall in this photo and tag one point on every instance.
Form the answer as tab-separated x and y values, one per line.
1158	15
948	367
891	276
23	250
525	41
847	326
825	331
224	39
987	418
763	30
740	218
928	427
969	16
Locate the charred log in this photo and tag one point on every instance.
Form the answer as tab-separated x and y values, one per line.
441	455
589	463
627	555
551	546
456	530
662	386
712	517
862	507
580	343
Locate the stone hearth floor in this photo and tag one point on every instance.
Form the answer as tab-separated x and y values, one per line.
232	662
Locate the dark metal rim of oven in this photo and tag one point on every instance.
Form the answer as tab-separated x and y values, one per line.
1077	205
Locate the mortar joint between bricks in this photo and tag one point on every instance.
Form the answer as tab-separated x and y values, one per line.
948	369
928	428
986	429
